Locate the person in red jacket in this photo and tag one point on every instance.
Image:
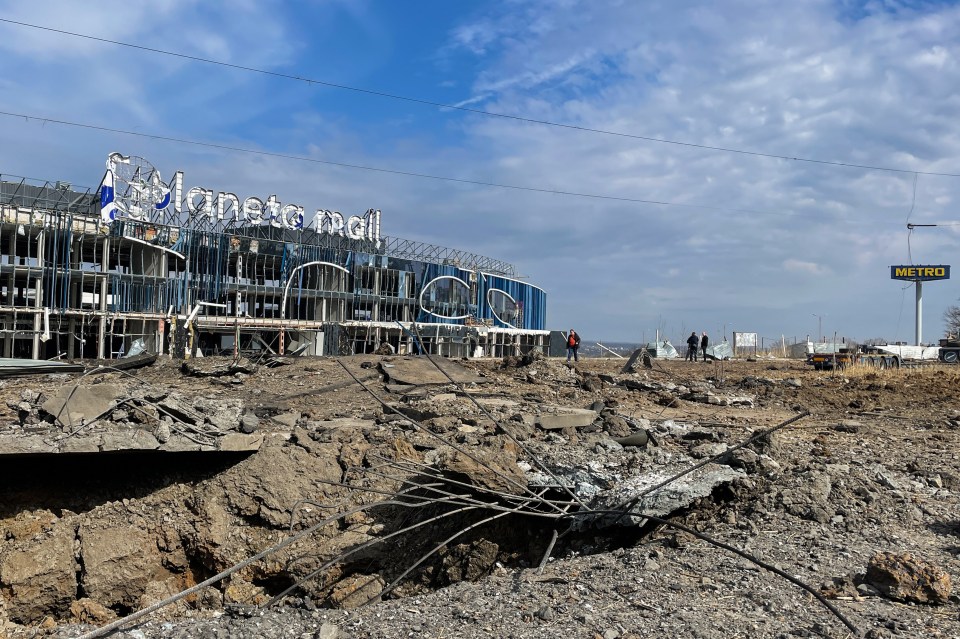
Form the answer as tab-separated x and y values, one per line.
573	345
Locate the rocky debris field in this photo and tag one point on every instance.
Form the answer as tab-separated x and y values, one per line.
514	498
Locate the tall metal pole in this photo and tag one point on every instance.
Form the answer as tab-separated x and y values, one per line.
919	331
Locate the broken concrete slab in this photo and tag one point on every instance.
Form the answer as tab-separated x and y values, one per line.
679	494
179	444
240	442
85	444
217	366
120	439
73	405
406	389
560	417
221	413
288	419
16	444
134	439
347	423
421	371
497	402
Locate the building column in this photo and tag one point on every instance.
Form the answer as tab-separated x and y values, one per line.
104	268
38	298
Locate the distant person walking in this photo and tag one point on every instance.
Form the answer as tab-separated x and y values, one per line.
704	342
573	345
693	345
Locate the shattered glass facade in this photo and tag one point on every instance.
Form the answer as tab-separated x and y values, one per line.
73	286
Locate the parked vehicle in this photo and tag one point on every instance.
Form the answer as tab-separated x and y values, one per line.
950	350
864	355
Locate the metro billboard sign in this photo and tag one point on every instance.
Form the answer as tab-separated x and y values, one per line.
920	273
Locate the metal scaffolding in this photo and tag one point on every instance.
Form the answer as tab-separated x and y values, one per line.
74	286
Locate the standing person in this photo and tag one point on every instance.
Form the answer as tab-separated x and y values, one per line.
693	345
704	342
573	345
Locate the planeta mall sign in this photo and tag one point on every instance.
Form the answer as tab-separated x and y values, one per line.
132	188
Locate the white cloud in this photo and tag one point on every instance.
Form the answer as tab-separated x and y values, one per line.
800	266
791	79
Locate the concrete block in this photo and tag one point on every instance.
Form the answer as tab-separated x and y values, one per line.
559	417
288	419
128	440
18	444
241	442
81	444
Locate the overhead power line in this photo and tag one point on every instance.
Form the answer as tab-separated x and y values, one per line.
361	167
455	107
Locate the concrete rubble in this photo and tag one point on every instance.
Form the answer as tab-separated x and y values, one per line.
91	417
513	437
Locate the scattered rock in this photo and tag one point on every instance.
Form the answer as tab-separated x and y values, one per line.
636	439
903	577
288	419
545	613
328	631
469	562
88	611
356	590
249	423
848	426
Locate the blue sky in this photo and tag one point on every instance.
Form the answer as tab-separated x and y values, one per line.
747	243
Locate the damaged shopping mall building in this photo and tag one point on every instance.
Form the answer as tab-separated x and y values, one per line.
145	263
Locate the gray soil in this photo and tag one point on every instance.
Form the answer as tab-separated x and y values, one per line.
86	539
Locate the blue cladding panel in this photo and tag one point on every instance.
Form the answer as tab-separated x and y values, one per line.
431	272
531	299
212	271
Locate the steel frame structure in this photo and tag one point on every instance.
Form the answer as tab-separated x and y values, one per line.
72	286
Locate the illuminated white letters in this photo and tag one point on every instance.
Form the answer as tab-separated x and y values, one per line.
154	202
355	230
292	216
253	210
204	206
329	222
234	201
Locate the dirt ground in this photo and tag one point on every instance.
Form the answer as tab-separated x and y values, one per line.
89	538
